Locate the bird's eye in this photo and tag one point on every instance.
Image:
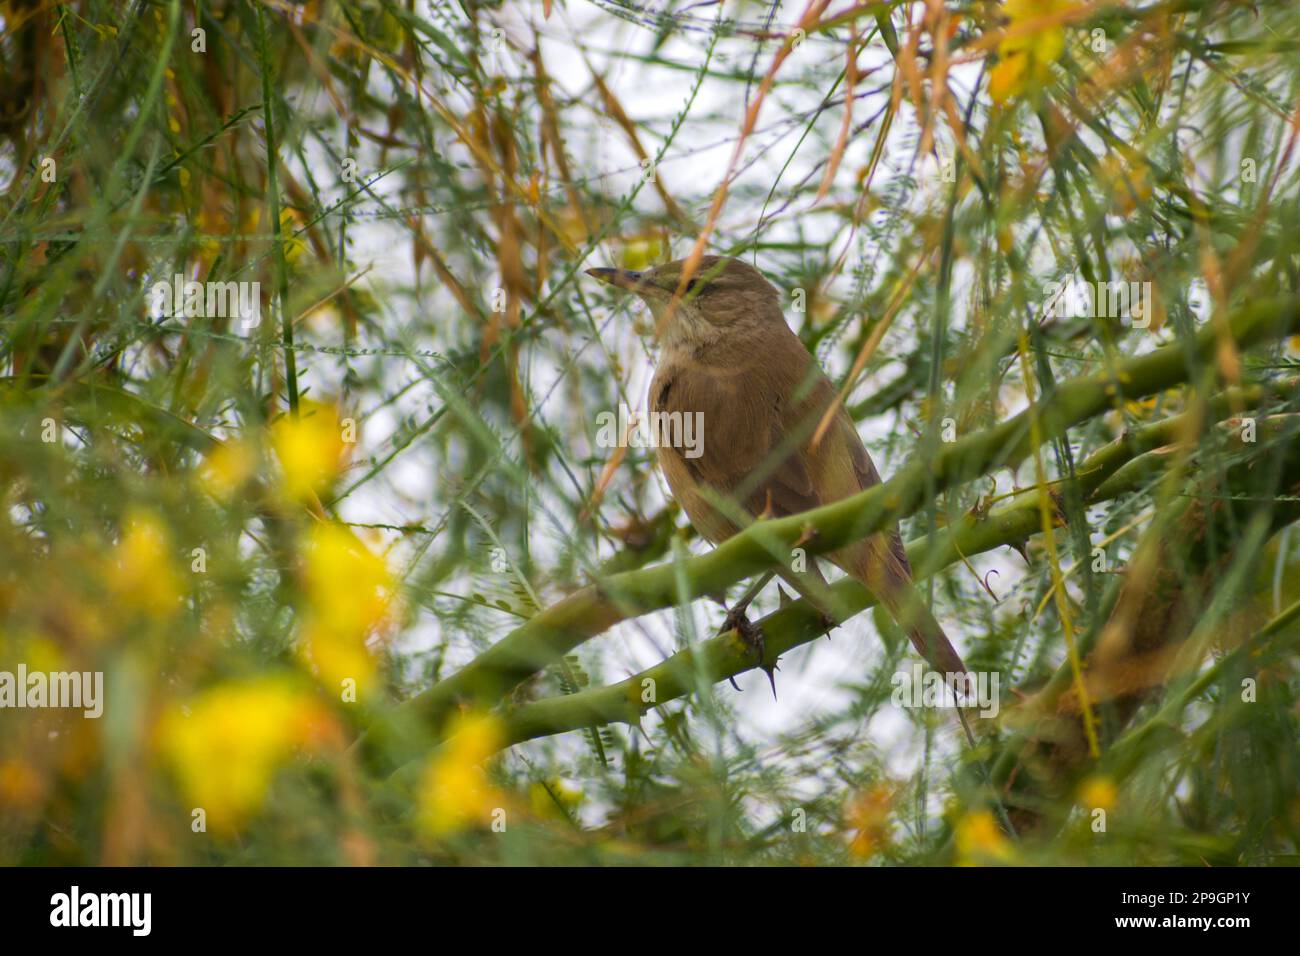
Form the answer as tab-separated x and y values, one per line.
692	285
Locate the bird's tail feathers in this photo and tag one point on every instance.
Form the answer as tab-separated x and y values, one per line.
907	607
891	582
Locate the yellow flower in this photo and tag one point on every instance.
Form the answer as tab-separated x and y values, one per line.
212	224
227	468
21	787
1129	183
1026	55
225	749
454	791
1141	408
142	574
42	654
868	814
642	253
290	223
174	105
310	448
533	190
980	841
553	800
1098	793
349	595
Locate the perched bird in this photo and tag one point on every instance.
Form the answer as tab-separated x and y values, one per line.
728	355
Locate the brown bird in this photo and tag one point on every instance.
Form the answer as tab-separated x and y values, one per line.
728	355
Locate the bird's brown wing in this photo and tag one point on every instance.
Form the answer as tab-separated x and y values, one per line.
742	453
868	477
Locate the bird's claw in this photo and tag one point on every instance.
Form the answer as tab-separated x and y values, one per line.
751	635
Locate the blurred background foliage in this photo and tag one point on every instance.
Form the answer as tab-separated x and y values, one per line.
266	535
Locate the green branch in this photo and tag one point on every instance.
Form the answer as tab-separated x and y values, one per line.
407	730
1102	477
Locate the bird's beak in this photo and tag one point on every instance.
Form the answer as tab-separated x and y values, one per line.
638	282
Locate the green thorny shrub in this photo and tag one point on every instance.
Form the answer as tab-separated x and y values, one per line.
305	436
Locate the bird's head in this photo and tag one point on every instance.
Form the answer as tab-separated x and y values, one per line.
722	296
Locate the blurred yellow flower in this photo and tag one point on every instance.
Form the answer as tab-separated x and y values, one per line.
980	841
1129	182
642	253
1025	55
533	190
21	787
1098	793
349	593
224	471
42	654
142	574
212	224
290	222
310	448
455	792
554	799
225	749
1142	408
868	813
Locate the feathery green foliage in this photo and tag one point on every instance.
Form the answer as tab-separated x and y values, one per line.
305	404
